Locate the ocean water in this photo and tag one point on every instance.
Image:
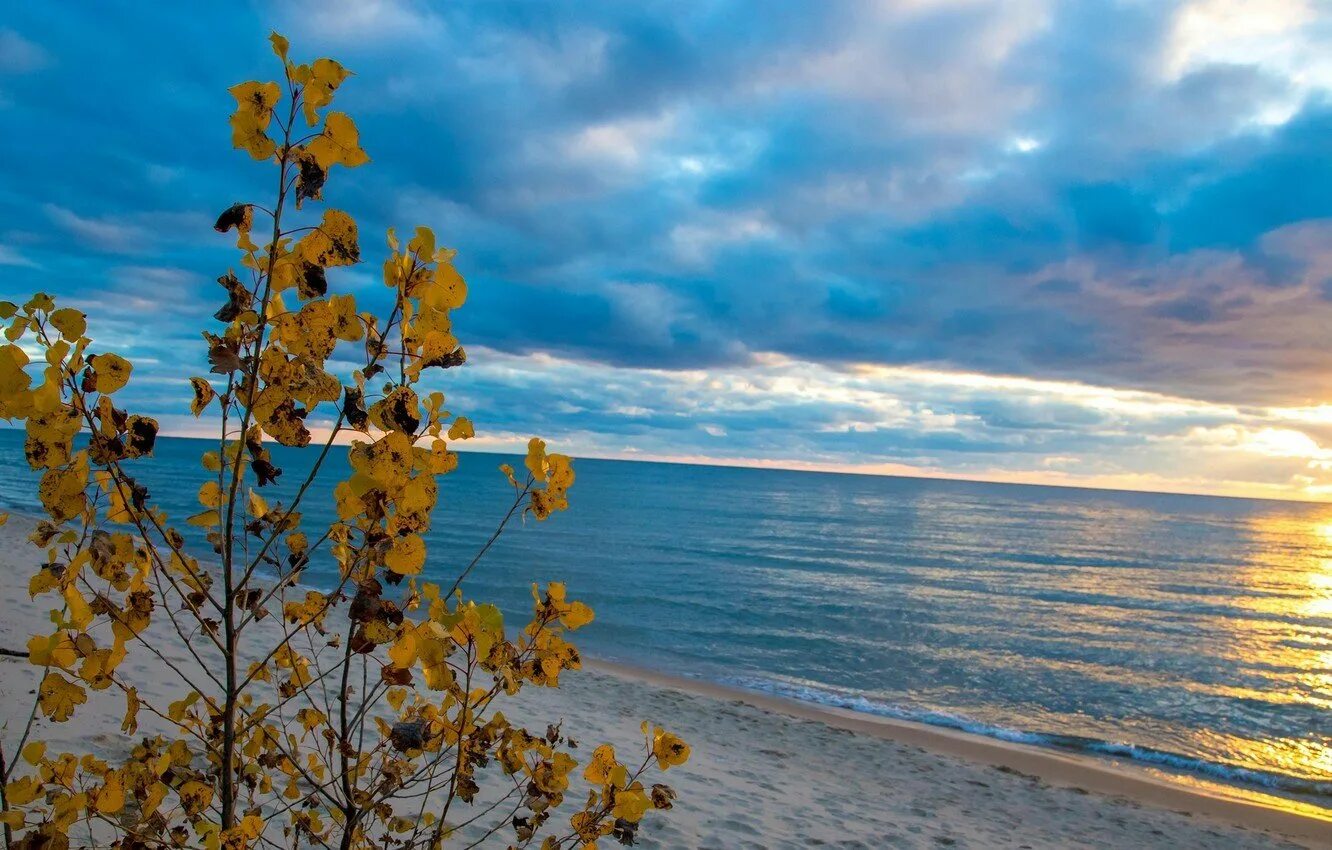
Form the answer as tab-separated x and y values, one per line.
1189	633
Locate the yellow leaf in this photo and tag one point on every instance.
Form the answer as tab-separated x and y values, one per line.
110	372
61	489
339	144
536	458
34	752
423	243
258	507
449	290
402	654
195	796
312	610
55	650
407	555
130	724
71	323
14	381
631	804
462	429
561	474
22	791
110	798
176	710
210	494
308	332
399	411
205	519
57	697
577	616
333	242
257	100
280	45
51	437
310	718
321	79
669	749
248	135
80	613
599	768
252	826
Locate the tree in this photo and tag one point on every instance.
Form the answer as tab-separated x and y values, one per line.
364	715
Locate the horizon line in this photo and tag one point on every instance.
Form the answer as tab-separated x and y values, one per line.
905	472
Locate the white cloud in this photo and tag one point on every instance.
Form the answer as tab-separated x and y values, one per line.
104	233
365	21
18	55
11	257
779	411
1277	36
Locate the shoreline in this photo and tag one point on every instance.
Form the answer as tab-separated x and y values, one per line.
1099	775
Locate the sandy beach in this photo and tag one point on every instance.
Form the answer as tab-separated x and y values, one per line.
768	773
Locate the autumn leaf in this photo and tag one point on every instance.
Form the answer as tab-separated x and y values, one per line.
600	766
57	697
332	243
239	216
406	556
668	749
130	724
110	798
461	429
203	394
71	323
110	372
280	45
338	144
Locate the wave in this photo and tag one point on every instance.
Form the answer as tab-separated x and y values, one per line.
1227	773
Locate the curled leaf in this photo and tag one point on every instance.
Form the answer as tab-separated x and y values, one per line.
310	177
239	298
239	216
203	394
353	408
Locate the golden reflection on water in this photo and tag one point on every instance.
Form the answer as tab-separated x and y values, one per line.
1288	578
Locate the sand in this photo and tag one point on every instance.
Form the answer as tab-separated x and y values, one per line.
771	773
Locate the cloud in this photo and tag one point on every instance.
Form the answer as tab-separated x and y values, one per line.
12	257
1133	196
103	233
18	55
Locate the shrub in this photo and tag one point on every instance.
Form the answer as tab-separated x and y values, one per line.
363	715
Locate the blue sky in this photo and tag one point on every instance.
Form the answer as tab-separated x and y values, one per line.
1064	242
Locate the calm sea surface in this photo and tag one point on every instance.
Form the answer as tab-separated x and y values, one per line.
1190	633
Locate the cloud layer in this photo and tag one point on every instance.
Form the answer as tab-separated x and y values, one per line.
819	235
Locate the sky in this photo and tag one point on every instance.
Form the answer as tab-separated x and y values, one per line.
1074	243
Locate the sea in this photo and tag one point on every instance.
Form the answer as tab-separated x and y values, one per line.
1189	634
